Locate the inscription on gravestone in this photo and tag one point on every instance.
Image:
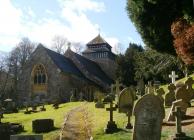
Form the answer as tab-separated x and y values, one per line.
149	114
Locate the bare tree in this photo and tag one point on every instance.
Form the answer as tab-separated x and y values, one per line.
23	50
78	47
59	44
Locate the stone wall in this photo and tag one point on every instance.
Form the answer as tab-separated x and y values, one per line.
108	66
59	83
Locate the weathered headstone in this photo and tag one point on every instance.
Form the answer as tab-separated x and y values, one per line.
182	93
170	95
149	114
149	88
42	125
141	87
42	108
157	85
189	83
99	96
173	77
160	92
183	106
125	104
111	126
26	137
179	134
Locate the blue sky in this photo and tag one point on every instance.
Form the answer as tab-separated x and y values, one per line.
76	20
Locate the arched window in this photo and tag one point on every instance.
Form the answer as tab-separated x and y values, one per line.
39	74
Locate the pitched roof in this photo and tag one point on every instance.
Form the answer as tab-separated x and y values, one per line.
63	63
92	67
97	40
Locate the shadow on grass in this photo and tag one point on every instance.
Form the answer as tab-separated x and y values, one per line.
174	123
189	138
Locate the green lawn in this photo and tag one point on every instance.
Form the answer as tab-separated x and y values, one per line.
98	119
57	115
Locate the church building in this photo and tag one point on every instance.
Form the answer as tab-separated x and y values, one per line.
51	76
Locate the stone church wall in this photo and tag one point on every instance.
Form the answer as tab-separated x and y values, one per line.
59	83
108	66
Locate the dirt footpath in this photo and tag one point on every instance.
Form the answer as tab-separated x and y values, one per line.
77	125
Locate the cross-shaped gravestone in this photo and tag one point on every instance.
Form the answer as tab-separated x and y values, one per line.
111	109
111	126
178	114
173	77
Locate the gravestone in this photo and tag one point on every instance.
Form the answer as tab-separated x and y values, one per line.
99	96
5	131
189	83
157	85
111	126
149	114
149	89
125	104
42	125
176	103
141	87
182	93
42	108
179	134
173	77
160	92
10	106
170	95
26	137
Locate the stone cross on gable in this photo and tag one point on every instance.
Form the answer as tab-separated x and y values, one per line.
111	109
178	114
173	77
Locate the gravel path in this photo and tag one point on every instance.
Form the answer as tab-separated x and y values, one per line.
77	125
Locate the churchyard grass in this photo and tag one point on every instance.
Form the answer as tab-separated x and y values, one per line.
51	113
99	118
165	87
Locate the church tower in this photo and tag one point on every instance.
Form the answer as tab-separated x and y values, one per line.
99	50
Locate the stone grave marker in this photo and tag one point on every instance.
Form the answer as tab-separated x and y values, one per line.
173	77
42	108
183	106
182	93
149	88
189	82
170	95
160	92
26	137
125	104
111	126
99	96
149	114
179	134
141	87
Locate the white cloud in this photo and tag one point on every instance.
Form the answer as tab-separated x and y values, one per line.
83	5
10	18
16	23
